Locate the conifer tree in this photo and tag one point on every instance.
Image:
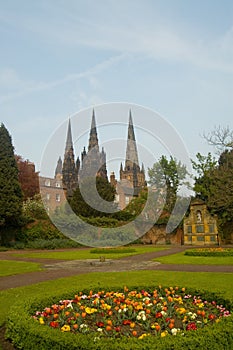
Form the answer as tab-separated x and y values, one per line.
11	199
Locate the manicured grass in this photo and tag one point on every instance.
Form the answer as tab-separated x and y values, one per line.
9	267
180	258
80	254
214	282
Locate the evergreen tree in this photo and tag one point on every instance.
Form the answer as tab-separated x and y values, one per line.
11	199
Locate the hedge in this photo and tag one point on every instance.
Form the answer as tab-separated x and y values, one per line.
209	252
26	333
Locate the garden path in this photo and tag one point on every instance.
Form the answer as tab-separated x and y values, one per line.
54	269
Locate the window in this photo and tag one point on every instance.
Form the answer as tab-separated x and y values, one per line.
211	228
200	228
47	182
58	197
200	238
189	229
58	184
48	196
126	200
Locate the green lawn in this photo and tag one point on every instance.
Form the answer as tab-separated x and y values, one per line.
10	267
180	258
81	254
215	282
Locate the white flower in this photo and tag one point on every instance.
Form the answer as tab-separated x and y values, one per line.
175	330
70	305
138	317
99	330
119	311
83	326
163	313
125	309
144	317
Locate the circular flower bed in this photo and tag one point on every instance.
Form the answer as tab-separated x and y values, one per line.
132	313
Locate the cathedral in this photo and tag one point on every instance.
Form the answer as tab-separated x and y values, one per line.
71	171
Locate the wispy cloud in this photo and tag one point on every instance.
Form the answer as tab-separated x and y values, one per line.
17	86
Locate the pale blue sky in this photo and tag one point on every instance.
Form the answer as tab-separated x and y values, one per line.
172	56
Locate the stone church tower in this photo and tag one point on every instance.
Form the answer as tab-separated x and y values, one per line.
93	161
132	171
70	168
132	177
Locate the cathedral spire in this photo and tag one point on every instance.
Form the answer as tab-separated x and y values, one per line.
69	174
131	150
58	170
93	139
69	142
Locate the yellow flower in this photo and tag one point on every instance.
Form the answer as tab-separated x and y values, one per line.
89	310
143	336
65	328
41	320
181	310
163	334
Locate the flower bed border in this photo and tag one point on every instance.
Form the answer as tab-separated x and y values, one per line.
26	333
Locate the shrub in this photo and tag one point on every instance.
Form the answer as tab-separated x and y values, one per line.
112	250
209	252
27	333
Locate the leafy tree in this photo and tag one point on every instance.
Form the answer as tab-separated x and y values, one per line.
105	190
11	199
167	176
28	177
204	167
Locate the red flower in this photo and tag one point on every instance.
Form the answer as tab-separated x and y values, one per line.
117	329
99	324
54	324
125	322
211	317
158	315
191	326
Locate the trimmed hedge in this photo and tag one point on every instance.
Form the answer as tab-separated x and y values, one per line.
26	333
112	250
209	252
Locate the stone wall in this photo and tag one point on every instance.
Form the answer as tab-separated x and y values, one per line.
158	235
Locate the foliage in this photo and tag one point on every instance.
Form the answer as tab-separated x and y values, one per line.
204	167
28	178
210	252
105	190
34	208
11	199
123	250
167	176
27	333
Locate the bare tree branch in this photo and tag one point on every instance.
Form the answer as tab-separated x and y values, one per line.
221	138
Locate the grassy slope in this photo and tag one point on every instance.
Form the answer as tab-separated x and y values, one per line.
9	267
214	282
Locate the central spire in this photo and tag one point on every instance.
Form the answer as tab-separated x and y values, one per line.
69	142
131	159
93	139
